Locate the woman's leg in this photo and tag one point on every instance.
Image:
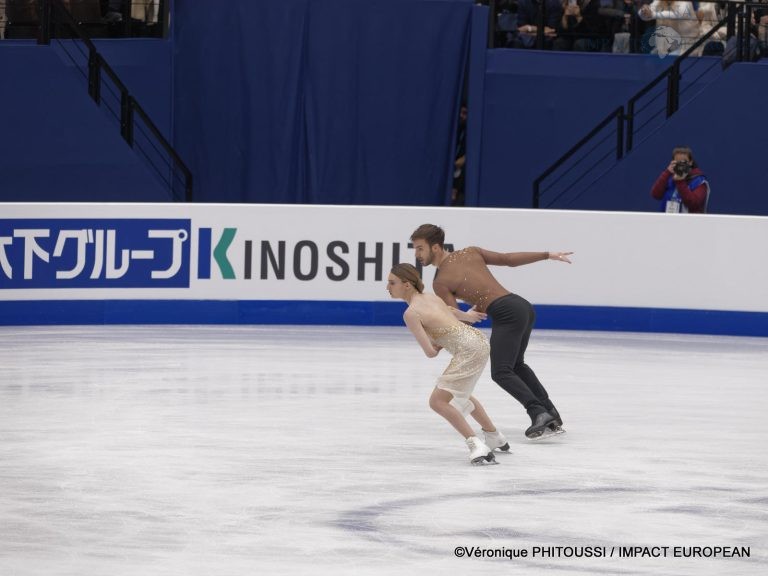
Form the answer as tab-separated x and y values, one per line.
481	417
439	401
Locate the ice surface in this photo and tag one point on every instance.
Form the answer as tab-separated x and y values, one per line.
220	450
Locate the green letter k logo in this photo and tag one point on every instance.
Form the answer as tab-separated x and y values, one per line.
220	253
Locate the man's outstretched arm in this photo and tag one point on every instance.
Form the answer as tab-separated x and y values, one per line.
521	258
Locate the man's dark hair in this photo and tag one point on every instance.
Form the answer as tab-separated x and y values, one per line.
431	233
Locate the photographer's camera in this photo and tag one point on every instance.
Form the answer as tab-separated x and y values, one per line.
682	168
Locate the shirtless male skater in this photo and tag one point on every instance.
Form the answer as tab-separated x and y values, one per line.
464	275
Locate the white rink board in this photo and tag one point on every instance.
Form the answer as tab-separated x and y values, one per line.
702	262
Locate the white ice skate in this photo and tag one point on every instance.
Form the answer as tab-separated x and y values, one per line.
479	453
495	440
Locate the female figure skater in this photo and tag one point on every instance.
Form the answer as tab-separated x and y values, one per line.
436	326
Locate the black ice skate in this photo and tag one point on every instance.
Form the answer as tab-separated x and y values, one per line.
541	426
556	426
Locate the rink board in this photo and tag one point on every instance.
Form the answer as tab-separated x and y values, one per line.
278	264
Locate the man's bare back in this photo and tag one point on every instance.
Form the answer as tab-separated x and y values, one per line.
465	275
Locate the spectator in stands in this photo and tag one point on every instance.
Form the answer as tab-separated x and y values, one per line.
528	22
761	17
677	26
682	186
580	28
613	17
710	14
634	25
753	47
506	23
589	25
144	15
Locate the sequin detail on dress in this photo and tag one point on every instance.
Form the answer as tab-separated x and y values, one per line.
469	348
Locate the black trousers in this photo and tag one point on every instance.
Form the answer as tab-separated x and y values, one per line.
512	319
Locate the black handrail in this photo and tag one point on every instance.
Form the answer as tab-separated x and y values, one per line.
617	115
625	133
54	10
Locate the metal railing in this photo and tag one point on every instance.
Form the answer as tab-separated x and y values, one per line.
107	90
587	161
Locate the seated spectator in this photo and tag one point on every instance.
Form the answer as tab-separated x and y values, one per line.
753	47
761	18
636	26
681	187
677	26
506	23
590	25
581	27
528	18
614	17
142	16
710	14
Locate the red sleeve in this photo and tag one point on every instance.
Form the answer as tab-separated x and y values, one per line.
660	186
693	199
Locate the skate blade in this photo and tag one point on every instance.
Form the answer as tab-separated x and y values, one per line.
544	434
488	460
504	448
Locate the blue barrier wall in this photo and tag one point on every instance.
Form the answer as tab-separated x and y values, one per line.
322	101
57	144
536	105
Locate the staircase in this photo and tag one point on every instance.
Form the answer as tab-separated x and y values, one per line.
109	92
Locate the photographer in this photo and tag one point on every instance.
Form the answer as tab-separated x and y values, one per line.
682	187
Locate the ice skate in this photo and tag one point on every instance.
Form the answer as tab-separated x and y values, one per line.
479	453
540	428
557	425
495	440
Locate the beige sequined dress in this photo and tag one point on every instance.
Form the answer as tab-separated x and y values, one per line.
469	348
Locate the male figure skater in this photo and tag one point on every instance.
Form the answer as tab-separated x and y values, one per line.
464	275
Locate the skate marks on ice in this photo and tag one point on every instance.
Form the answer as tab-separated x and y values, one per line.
497	519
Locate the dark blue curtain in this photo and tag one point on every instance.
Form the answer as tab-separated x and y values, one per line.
319	101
